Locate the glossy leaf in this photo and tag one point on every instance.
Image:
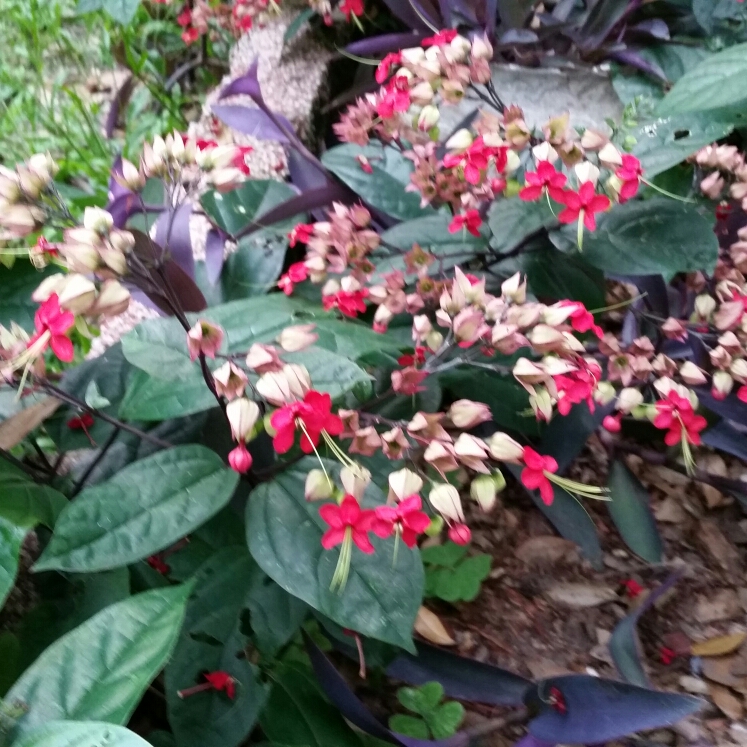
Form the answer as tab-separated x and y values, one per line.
624	646
630	510
122	11
382	189
99	670
11	537
284	531
25	502
80	734
718	81
512	220
144	508
297	715
626	709
684	240
210	641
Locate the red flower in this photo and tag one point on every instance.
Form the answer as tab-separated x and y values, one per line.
80	422
742	393
545	178
351	7
577	386
350	303
470	220
475	160
581	319
157	564
612	423
346	518
405	518
395	97
51	319
239	160
417	358
202	144
297	273
44	247
586	202
302	232
667	655
442	37
556	699
190	35
676	414
219	681
382	71
630	174
533	475
408	381
185	17
313	416
633	588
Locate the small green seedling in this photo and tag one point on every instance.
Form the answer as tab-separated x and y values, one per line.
451	575
434	719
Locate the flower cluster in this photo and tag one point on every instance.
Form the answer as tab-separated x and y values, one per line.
728	172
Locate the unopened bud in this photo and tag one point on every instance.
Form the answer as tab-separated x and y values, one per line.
484	489
131	176
466	414
97	220
721	384
593	139
355	479
242	416
515	289
445	499
460	140
541	404
610	156
230	381
604	393
628	399
403	483
738	370
428	118
503	448
317	486
78	294
460	48
421	94
298	337
586	172
481	48
705	305
691	374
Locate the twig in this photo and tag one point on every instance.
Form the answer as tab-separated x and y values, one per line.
94	462
18	463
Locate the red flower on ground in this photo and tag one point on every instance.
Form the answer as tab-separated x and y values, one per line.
630	174
470	220
297	273
50	318
312	416
676	415
382	71
80	422
440	38
545	178
667	655
581	319
534	476
633	588
583	205
157	564
347	518
350	303
406	518
351	7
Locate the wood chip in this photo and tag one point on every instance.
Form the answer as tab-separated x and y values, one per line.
727	702
547	550
720	646
579	596
429	626
723	605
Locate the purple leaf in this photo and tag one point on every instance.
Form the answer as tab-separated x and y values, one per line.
310	200
731	408
518	36
173	235
350	706
445	8
251	122
726	437
379	45
462	678
599	710
115	188
214	255
634	59
529	741
653	27
429	10
120	99
604	16
122	208
403	10
624	646
307	175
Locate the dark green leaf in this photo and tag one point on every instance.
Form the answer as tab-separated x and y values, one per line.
410	726
18	283
709	13
718	81
146	507
459	583
297	714
295	25
631	512
122	11
99	670
11	537
512	220
25	502
210	641
10	655
421	700
275	615
654	237
232	211
445	720
447	555
382	189
284	531
553	275
80	734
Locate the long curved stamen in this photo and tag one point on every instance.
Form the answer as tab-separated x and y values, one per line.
302	426
578	488
342	569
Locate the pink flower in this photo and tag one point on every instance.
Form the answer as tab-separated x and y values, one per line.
185	17
545	178
460	534
475	160
583	205
534	474
630	175
406	519
312	416
742	391
382	71
205	338
51	320
395	97
676	414
612	423
239	160
577	386
240	459
351	7
470	220
302	232
297	273
190	35
408	381
349	303
440	39
581	319
347	519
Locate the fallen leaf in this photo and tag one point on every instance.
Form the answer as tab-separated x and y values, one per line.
546	550
718	546
719	670
16	428
720	646
715	465
581	595
723	605
670	511
429	626
727	702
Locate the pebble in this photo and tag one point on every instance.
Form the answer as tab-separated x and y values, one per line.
693	685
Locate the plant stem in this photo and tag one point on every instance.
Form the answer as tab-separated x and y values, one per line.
95	462
18	463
